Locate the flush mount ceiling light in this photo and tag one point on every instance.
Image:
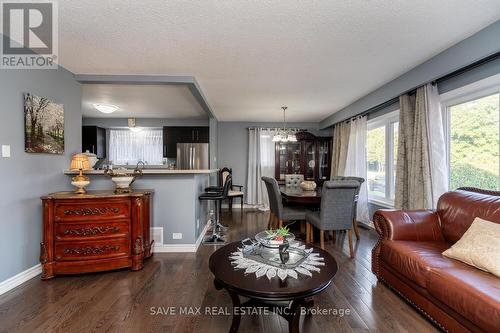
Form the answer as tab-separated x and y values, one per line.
106	108
284	134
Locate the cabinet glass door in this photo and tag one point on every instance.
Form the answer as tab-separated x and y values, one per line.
323	156
294	161
309	160
283	159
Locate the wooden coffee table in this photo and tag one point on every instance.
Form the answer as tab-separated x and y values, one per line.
273	294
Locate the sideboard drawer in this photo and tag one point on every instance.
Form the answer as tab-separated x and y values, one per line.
92	210
91	230
101	249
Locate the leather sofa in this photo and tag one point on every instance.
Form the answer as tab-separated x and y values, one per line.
407	257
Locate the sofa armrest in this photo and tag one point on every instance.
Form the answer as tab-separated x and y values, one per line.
416	225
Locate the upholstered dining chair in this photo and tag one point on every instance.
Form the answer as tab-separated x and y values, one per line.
337	210
293	179
236	191
355	220
279	213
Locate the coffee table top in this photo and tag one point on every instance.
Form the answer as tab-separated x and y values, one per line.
263	288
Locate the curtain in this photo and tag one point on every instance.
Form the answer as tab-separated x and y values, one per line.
128	147
339	151
355	164
421	173
261	156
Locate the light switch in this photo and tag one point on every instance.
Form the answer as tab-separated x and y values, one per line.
5	151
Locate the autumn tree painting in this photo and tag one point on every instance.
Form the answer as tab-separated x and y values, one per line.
44	125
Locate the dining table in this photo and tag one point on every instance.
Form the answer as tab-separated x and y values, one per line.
296	195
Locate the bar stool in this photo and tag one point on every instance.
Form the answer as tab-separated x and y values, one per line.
217	196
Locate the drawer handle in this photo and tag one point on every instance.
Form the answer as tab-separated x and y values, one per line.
91	211
90	231
92	250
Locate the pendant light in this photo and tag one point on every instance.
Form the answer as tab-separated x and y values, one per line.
284	134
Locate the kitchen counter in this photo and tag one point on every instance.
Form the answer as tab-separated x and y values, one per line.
148	172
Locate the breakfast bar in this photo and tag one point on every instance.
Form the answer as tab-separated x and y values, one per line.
178	221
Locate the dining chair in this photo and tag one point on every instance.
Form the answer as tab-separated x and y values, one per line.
337	210
279	213
236	191
293	179
355	220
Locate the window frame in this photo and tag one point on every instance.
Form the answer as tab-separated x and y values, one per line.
460	96
387	121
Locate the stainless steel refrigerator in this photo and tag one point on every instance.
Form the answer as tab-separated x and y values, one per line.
192	156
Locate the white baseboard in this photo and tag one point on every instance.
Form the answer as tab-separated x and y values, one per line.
237	206
167	248
20	278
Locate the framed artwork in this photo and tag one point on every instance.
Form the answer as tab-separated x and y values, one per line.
44	125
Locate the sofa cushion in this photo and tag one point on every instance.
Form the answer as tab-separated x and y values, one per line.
457	210
415	259
470	292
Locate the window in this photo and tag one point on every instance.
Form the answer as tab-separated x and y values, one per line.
129	147
473	134
381	157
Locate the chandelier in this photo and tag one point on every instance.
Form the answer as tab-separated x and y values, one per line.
284	134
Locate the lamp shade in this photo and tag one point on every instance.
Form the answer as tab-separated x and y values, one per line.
80	162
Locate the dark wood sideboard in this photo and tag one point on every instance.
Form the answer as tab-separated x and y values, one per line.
97	231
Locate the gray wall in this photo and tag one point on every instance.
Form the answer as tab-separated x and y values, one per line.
25	177
478	46
175	202
233	144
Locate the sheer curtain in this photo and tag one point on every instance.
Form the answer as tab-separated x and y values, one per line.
128	147
356	163
261	158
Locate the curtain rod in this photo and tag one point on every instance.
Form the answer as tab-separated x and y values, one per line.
277	128
453	74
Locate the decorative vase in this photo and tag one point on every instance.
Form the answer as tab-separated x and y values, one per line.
92	158
308	185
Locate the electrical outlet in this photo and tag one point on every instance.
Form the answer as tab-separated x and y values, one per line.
197	224
177	235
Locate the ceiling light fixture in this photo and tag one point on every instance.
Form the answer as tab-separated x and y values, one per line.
132	126
284	134
106	108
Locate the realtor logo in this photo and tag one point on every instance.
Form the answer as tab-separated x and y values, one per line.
29	35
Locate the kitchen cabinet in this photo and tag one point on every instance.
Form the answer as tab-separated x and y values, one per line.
94	140
172	135
309	156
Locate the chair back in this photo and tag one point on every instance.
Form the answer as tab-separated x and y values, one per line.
274	194
293	179
338	204
228	183
223	173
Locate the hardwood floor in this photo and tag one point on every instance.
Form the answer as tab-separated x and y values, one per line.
122	301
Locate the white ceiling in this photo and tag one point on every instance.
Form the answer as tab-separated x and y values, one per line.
251	57
141	101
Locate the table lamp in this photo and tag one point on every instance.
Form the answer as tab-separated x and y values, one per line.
80	162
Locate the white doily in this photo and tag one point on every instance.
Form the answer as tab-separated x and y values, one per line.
309	265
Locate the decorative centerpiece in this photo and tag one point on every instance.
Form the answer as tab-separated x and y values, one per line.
308	185
288	259
123	179
275	238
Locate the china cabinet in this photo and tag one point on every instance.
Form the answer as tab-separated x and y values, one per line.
309	156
